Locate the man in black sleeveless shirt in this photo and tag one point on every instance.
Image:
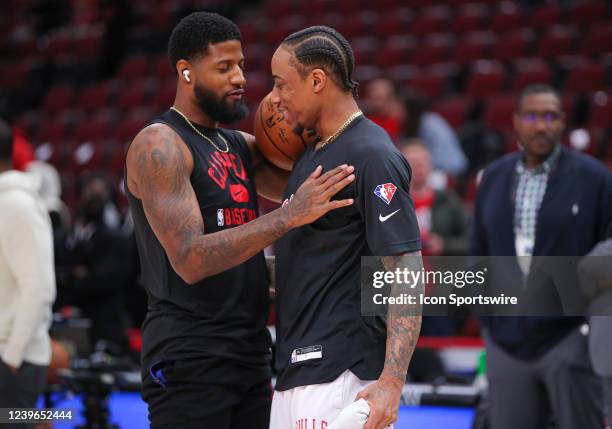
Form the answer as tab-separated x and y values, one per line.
327	354
206	350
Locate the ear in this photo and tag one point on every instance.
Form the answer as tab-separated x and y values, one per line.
180	66
318	79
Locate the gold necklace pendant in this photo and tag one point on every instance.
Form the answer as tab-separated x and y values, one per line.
341	129
226	150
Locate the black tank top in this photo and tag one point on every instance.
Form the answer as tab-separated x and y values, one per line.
224	315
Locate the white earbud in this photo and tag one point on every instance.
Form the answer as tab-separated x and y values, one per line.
186	75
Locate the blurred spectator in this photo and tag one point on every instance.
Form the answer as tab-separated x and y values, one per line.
435	132
545	200
91	265
596	280
443	220
22	150
50	190
383	107
27	286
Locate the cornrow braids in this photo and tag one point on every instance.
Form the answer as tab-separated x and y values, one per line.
325	48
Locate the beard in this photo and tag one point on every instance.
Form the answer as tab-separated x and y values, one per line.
219	109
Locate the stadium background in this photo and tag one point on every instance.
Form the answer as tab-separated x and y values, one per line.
79	78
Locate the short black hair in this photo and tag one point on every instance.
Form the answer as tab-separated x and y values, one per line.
6	141
192	35
537	88
325	48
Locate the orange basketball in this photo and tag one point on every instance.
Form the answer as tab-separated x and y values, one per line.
60	359
280	141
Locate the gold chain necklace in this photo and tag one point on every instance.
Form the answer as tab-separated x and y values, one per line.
202	135
343	127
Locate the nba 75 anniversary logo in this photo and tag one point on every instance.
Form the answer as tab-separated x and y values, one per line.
385	192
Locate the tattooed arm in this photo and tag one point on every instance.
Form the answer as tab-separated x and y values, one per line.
403	327
158	169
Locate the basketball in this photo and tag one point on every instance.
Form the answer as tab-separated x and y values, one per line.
280	141
60	359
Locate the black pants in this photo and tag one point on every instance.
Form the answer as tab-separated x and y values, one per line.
198	395
21	390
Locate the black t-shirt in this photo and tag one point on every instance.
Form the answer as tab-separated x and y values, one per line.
320	332
222	316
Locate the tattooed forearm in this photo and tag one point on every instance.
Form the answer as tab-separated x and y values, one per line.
403	321
162	169
159	166
220	251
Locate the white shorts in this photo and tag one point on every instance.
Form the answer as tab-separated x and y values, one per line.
317	406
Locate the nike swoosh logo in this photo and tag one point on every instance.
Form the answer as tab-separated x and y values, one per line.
384	218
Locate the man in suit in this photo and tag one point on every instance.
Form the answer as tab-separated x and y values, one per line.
543	200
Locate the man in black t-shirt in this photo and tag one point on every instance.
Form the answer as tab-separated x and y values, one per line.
327	354
205	354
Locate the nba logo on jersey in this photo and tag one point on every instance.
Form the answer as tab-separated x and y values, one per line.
220	217
385	192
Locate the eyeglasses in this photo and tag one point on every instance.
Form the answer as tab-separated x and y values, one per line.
532	117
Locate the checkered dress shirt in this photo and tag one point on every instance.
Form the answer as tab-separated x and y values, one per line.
530	189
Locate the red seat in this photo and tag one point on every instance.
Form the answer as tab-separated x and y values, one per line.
134	68
474	46
486	78
559	41
432	20
394	22
58	98
471	17
545	16
513	45
454	110
132	95
365	50
598	40
396	51
162	69
87	156
430	84
52	131
587	13
128	129
531	71
15	76
436	49
88	47
601	110
159	18
586	78
164	96
507	20
499	111
95	96
403	74
92	131
278	9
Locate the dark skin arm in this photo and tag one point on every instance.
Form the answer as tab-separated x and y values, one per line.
403	327
158	169
270	180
